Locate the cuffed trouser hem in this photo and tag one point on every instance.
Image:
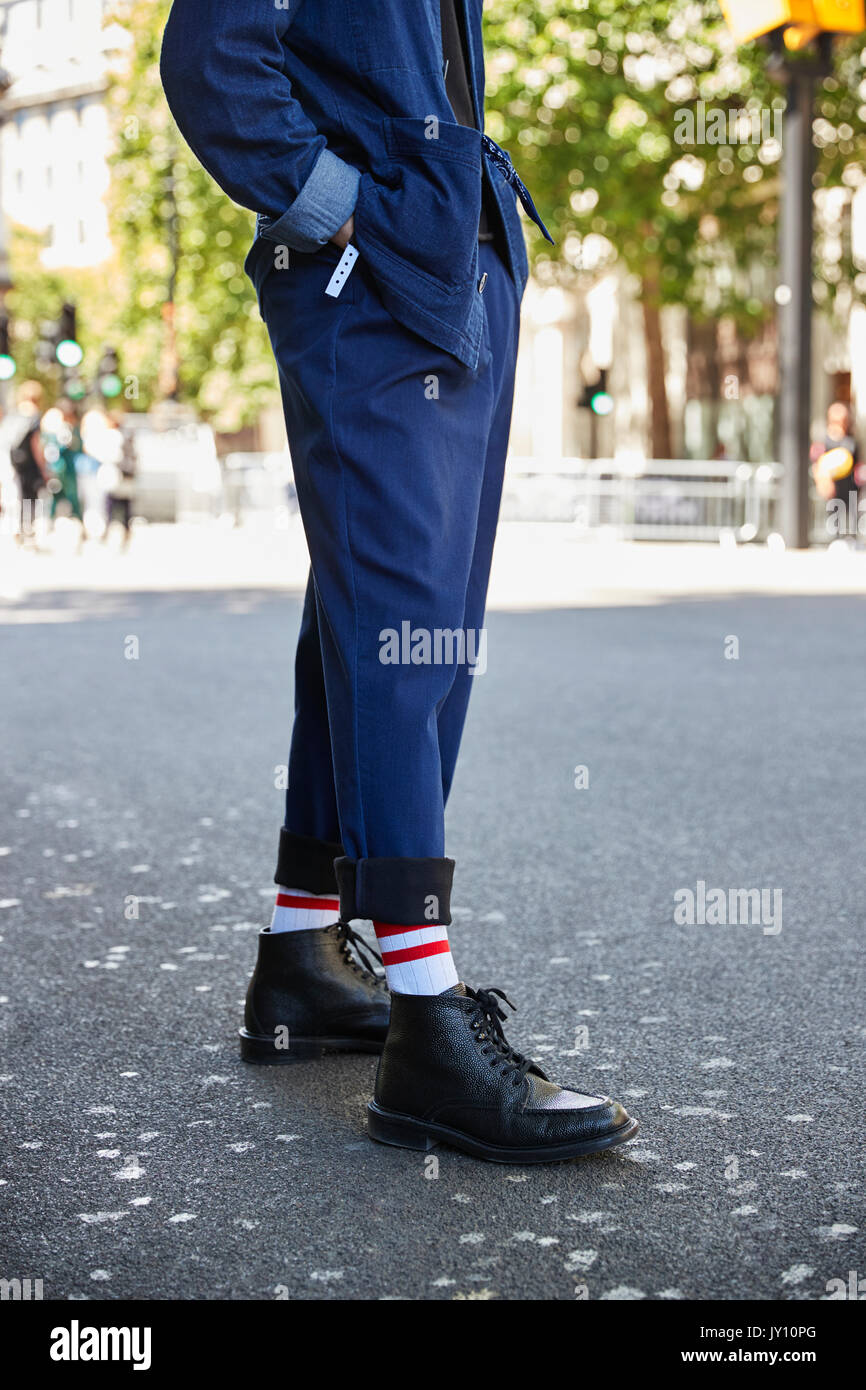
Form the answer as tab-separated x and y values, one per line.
407	892
308	863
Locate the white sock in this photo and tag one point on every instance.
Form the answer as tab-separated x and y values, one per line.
298	910
417	960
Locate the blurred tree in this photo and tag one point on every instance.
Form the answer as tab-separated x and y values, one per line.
601	103
840	136
37	298
172	225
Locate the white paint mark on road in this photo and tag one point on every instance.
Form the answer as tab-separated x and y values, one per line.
131	1170
838	1231
579	1261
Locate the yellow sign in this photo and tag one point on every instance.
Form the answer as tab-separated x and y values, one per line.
747	19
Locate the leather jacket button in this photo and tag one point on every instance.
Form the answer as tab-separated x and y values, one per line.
482	282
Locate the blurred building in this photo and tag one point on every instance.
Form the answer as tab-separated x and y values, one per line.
55	136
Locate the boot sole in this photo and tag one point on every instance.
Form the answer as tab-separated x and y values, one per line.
404	1132
262	1049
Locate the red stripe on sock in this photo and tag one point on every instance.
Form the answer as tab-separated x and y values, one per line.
432	948
390	929
321	904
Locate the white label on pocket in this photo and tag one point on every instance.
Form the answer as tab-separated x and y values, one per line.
342	271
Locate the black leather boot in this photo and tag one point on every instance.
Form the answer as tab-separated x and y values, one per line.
448	1074
309	995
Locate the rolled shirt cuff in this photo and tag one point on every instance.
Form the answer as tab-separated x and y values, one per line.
324	204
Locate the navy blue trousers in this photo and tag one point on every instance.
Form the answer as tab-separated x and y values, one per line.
398	453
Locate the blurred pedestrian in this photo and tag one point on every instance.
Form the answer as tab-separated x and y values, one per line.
63	451
27	457
837	469
118	465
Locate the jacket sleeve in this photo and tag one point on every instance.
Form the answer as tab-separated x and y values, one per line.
222	71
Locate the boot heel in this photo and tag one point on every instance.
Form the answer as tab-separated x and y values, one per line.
264	1050
402	1131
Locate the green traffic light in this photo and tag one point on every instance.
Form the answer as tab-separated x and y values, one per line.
8	367
110	385
69	353
601	403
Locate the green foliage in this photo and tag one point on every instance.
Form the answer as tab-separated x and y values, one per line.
225	363
589	94
37	298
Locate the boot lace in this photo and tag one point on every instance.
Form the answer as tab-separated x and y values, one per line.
351	941
486	1022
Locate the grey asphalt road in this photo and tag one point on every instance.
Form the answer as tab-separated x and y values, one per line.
141	1158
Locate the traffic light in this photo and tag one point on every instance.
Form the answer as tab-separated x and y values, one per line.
595	395
68	350
46	345
7	361
749	19
108	374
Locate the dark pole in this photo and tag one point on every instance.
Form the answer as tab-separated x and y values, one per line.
170	366
593	434
5	275
795	309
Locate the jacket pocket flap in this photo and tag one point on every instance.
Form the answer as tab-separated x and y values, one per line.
426	137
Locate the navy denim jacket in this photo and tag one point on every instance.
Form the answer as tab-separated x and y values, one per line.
310	111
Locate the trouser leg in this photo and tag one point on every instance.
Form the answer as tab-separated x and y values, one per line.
311	799
390	441
503	313
310	836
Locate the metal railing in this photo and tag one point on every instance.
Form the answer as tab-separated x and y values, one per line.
654	499
629	499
